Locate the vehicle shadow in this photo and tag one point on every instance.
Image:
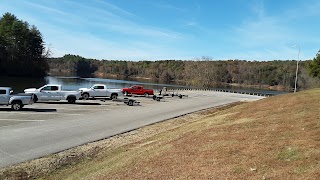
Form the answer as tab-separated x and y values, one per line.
29	110
77	103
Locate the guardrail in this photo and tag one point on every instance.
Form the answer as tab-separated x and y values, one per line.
265	94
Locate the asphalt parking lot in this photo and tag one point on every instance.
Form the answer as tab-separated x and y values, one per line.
48	127
55	110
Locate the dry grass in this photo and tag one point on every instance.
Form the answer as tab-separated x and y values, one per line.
274	138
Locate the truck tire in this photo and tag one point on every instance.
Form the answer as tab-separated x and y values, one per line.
125	93
16	106
71	100
146	94
114	96
85	96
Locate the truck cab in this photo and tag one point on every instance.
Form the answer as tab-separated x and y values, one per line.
50	92
137	90
99	90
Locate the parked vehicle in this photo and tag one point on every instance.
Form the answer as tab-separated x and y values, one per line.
138	90
52	92
100	90
16	101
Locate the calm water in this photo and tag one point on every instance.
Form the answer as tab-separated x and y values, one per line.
74	83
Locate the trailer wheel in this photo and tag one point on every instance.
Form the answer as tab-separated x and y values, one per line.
130	103
16	106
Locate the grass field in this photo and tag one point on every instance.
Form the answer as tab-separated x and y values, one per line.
273	138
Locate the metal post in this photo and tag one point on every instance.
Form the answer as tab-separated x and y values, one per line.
296	80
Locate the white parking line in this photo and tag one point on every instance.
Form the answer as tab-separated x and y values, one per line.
21	120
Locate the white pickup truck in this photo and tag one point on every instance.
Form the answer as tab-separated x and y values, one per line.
53	92
16	101
100	90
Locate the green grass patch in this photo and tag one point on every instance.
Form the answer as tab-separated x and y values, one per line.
290	154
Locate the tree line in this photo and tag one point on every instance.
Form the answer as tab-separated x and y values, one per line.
203	72
22	51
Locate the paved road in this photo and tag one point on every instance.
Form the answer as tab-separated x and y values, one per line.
46	128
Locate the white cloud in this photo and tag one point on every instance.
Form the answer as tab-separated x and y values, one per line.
45	8
118	9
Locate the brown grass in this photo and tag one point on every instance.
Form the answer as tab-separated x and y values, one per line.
274	138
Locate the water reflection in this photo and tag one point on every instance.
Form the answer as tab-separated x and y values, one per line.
74	83
20	83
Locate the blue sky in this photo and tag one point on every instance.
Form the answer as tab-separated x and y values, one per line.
175	29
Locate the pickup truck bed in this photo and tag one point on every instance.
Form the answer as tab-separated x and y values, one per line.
16	101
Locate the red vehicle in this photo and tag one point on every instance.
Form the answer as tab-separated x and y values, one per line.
138	90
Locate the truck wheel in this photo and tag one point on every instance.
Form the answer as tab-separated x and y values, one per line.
35	98
114	96
71	100
85	96
16	106
130	103
146	94
125	93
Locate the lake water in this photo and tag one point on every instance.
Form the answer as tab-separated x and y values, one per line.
74	83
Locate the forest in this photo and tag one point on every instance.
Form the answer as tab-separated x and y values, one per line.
22	51
202	72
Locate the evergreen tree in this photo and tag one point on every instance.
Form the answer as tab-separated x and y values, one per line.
314	66
22	51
